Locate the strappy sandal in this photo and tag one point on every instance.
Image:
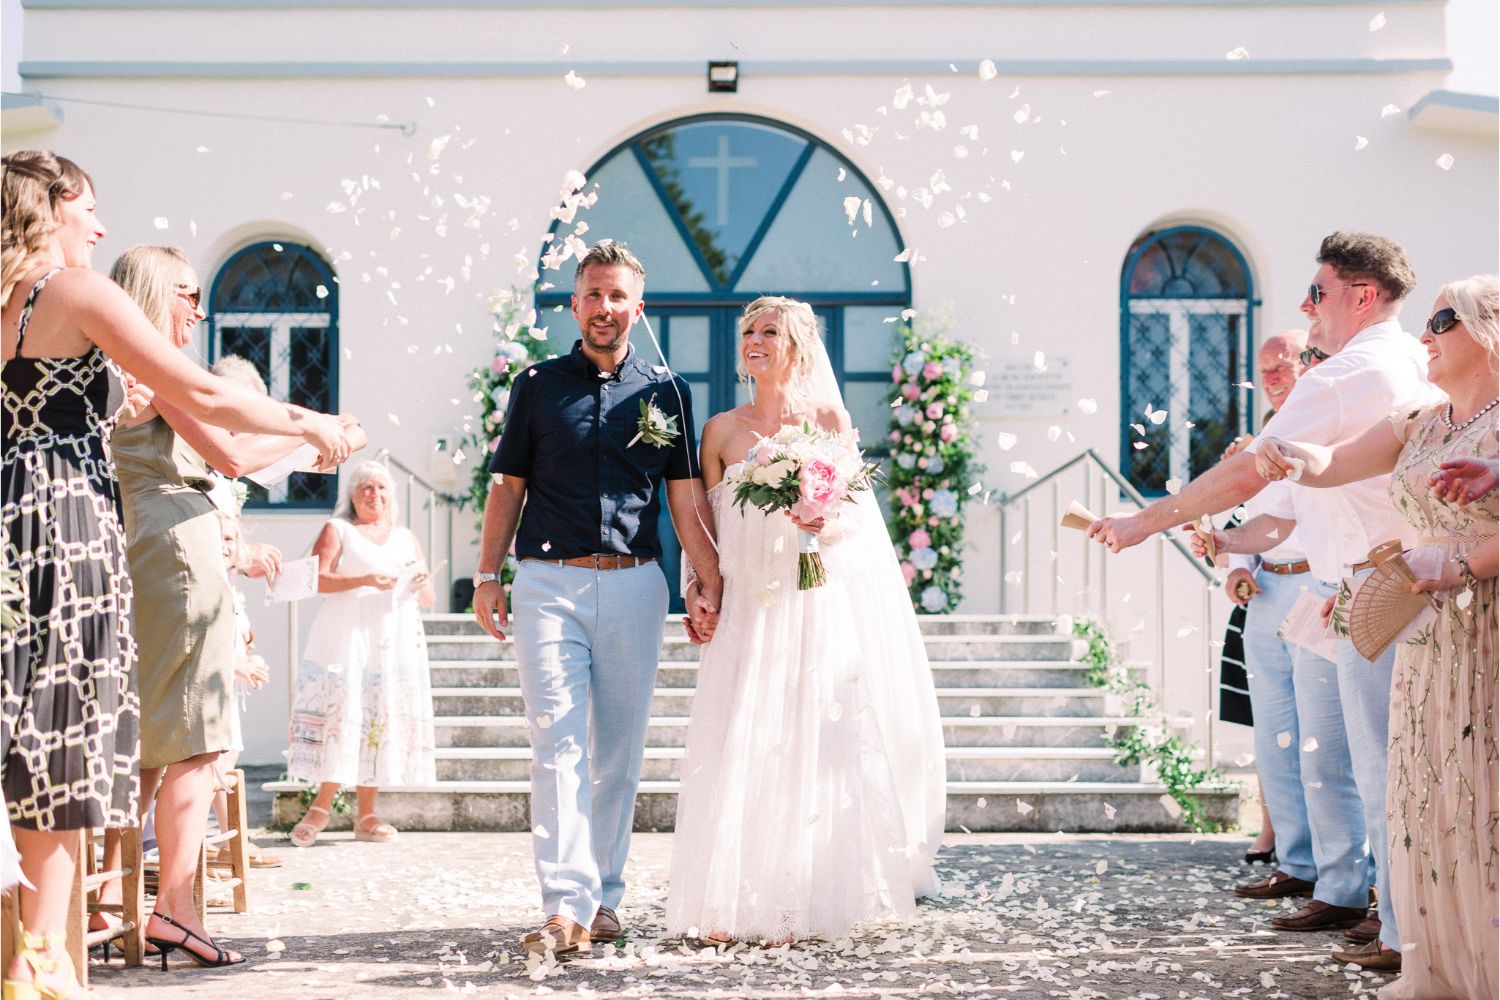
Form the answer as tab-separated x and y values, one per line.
305	833
221	956
369	828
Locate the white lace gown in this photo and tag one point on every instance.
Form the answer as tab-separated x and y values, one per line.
813	789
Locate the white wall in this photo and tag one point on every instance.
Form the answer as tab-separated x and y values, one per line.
1270	159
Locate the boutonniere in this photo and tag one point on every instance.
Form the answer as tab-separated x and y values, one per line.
655	427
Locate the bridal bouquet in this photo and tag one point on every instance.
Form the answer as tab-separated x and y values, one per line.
808	471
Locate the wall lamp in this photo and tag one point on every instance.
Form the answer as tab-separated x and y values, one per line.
723	77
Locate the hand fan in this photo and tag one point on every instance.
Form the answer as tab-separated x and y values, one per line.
1384	603
1077	516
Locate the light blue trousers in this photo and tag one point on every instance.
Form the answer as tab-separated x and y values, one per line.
1273	699
587	644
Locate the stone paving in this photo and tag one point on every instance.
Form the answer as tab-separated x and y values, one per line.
1147	917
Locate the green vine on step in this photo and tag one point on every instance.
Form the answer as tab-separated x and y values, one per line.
1171	756
308	794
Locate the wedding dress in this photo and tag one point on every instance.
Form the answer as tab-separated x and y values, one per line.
812	794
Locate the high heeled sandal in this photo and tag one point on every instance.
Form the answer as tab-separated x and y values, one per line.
221	956
374	832
304	834
36	952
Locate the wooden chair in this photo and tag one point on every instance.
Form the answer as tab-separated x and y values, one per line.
87	884
233	857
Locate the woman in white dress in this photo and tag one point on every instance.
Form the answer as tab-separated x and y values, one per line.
813	788
363	710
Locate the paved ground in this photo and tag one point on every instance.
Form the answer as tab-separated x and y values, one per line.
1147	917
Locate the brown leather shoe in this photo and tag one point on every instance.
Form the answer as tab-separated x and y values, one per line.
1278	885
1365	931
1373	956
559	935
1319	916
606	926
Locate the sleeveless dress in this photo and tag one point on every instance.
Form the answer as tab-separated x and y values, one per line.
813	790
184	610
68	706
1442	790
363	709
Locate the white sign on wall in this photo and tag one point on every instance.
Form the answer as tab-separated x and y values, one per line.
1036	386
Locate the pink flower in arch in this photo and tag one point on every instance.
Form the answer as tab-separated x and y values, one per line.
909	572
911	391
932	370
948	432
920	539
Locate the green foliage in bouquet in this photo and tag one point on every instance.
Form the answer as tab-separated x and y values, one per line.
933	470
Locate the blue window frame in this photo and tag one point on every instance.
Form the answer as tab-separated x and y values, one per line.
722	209
1187	313
276	304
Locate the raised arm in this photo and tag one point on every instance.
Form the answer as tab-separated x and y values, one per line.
1226	485
502	513
1262	532
236	454
1372	453
112	321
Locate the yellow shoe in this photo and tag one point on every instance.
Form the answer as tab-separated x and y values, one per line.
56	967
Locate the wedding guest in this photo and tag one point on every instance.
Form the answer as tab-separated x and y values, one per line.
1373	367
184	611
362	713
1443	800
813	788
68	708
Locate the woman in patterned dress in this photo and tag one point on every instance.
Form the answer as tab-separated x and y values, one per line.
1442	796
68	706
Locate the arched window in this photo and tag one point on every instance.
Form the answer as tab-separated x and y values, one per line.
722	209
1186	315
276	304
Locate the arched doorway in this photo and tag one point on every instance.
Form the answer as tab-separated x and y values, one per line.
722	209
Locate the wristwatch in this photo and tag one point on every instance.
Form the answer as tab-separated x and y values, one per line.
480	578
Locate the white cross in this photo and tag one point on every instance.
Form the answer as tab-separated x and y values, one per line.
723	163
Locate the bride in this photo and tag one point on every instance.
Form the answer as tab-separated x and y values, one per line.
812	794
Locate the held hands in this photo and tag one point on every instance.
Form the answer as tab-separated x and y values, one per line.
1277	459
489	609
1119	531
1240	584
1464	480
702	619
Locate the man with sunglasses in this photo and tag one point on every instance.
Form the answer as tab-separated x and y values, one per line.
1372	368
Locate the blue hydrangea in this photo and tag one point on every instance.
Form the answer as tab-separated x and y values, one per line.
914	362
935	464
905	415
952	367
934	600
514	351
923	558
906	460
944	502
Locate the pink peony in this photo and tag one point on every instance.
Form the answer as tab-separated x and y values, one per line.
896	373
820	490
920	539
499	363
910	391
895	437
932	370
909	572
934	411
948	432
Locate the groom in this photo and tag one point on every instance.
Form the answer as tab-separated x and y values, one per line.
587	439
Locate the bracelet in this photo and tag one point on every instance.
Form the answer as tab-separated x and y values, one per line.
1470	580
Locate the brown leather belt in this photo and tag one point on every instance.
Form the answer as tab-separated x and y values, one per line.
599	561
1360	567
1286	569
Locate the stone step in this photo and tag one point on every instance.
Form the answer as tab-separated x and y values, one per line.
973	702
973	806
676	648
963	764
964	731
682	674
464	624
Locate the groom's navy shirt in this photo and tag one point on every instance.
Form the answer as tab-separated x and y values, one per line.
567	433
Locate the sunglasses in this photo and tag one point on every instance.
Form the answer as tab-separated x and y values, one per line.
193	293
1312	354
1442	321
1315	292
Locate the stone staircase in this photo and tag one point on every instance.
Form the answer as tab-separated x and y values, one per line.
1027	739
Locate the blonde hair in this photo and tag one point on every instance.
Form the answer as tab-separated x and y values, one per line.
34	182
361	474
1476	300
148	274
240	369
794	318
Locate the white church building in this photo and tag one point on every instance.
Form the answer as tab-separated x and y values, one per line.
1113	200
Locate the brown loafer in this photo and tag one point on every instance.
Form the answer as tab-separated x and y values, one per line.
1365	931
606	926
1319	916
1280	884
559	935
1373	956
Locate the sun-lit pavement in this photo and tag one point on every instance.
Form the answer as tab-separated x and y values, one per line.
1025	915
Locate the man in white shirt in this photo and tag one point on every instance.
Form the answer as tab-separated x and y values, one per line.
1373	368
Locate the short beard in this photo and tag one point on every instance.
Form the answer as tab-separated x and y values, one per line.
611	346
